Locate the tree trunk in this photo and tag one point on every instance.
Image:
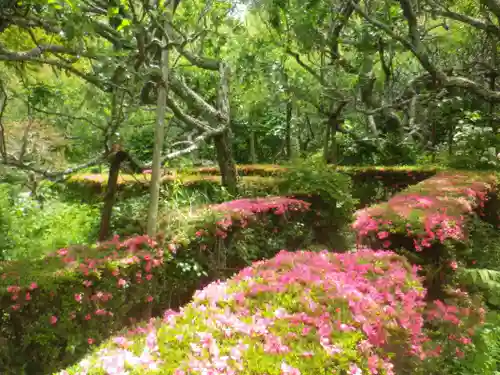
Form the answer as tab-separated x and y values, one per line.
492	84
222	142
253	151
109	198
288	130
333	152
3	106
158	145
326	142
226	162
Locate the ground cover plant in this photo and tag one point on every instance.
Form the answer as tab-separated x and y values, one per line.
29	228
297	313
54	308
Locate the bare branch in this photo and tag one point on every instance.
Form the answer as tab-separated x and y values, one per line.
196	143
14	162
383	27
305	66
192	99
50	113
474	22
188	120
419	51
39	51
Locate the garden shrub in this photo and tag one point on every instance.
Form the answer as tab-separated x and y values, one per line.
298	313
330	196
54	308
431	221
233	234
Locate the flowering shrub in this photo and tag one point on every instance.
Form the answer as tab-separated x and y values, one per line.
298	313
55	308
244	230
430	218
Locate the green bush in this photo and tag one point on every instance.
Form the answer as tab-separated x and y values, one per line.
29	229
51	307
329	193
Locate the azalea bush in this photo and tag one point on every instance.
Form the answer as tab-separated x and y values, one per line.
298	313
230	235
430	221
54	308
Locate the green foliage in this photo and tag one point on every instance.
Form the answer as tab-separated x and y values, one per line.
481	271
95	290
31	228
329	193
480	357
476	146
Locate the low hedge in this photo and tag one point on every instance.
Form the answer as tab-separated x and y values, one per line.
429	222
55	308
91	188
370	184
296	314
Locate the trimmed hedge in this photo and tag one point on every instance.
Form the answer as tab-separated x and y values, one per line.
370	184
54	309
429	222
296	314
91	188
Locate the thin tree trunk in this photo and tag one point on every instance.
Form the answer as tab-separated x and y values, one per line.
222	142
451	131
288	130
109	198
492	84
333	153
158	145
326	142
226	162
3	106
253	151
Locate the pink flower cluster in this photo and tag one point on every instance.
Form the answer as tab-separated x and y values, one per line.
442	205
369	297
241	211
252	206
135	250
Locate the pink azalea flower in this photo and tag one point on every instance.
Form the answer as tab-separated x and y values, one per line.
355	370
382	235
289	370
53	319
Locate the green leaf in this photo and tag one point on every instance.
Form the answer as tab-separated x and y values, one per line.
125	23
